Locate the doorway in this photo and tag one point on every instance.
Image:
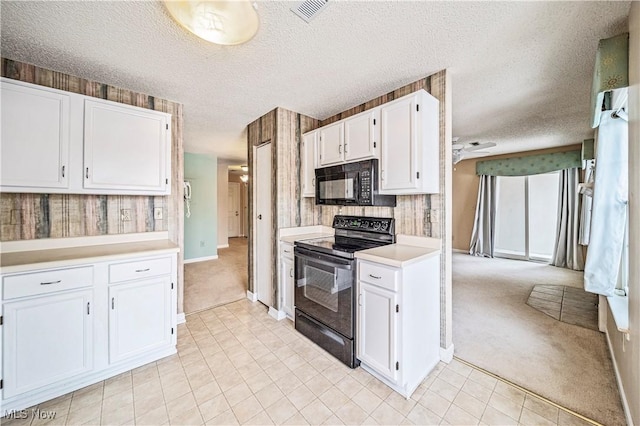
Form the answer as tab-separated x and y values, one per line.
234	208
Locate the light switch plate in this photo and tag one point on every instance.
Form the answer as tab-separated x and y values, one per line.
157	213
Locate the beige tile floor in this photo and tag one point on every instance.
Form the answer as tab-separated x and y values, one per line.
237	365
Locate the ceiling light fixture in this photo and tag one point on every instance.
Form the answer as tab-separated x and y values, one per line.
221	22
244	168
244	178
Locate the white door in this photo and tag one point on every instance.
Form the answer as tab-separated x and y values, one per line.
47	339
360	138
264	234
35	137
377	329
399	139
139	317
126	148
233	209
331	144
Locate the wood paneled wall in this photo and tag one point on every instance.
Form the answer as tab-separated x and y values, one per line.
71	215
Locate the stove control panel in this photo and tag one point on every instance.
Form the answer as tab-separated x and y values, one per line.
360	223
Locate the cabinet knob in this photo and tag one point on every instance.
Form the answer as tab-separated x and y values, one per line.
63	167
373	276
260	216
291	272
313	182
86	174
345	148
339	149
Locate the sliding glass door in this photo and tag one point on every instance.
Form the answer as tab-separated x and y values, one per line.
526	216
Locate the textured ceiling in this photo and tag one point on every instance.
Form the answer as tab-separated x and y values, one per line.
521	71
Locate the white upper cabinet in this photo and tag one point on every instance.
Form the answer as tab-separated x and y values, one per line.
35	137
126	148
61	142
361	136
410	156
352	139
308	163
331	145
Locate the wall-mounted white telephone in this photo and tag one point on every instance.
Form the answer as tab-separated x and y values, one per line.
187	197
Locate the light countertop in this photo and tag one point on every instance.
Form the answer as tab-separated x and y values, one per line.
60	257
397	255
293	238
291	235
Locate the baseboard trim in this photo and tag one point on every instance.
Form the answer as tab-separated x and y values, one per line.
460	251
252	296
446	354
623	396
223	246
278	315
180	318
200	259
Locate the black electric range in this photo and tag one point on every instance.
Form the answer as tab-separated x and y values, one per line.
325	282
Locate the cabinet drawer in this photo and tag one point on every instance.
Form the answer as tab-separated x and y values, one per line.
378	275
286	251
127	271
35	283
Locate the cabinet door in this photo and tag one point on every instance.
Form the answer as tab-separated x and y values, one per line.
126	148
399	145
35	137
287	285
331	144
46	339
308	166
139	317
377	325
360	139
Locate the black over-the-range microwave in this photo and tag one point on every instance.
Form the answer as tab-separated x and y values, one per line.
351	184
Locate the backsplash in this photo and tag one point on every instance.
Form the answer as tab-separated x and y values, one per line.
33	216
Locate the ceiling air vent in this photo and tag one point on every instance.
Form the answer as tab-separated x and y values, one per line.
309	9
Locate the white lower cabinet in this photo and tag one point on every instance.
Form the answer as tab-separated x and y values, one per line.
398	317
378	329
139	318
66	328
46	339
286	279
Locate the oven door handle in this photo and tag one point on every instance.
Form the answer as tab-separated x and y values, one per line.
337	264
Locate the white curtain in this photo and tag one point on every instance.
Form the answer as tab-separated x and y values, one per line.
567	253
608	215
484	226
587	201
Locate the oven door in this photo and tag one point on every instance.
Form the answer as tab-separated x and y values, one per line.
324	287
334	186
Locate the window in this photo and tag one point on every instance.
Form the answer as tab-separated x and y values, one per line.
526	216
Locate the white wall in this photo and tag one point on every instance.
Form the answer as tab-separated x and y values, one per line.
627	353
223	200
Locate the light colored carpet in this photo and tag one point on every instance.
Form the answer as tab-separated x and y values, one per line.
217	282
495	329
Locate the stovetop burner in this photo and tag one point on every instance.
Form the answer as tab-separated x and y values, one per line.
353	233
